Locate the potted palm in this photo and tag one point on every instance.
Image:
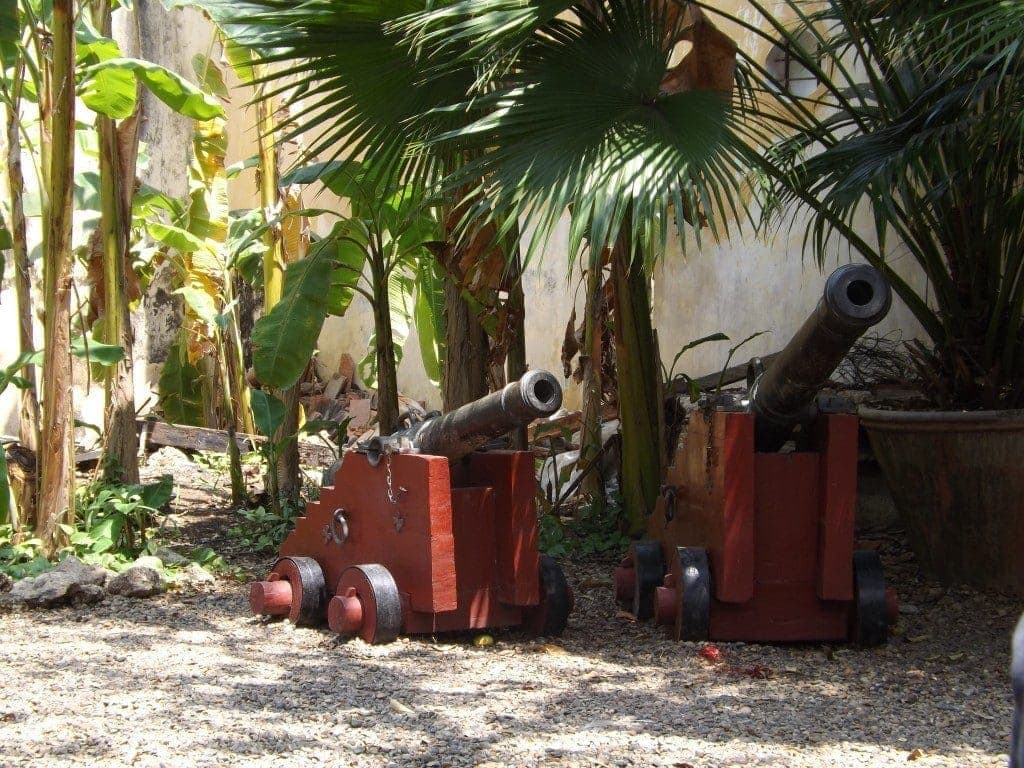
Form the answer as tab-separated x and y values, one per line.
915	119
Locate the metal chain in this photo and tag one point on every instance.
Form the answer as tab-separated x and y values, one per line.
397	517
390	484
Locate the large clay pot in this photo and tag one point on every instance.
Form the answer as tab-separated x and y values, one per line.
958	482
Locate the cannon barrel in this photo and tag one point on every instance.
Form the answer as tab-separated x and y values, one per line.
460	432
856	297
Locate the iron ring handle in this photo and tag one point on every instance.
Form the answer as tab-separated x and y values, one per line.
339	520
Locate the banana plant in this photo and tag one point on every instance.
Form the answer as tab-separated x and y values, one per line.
57	65
380	252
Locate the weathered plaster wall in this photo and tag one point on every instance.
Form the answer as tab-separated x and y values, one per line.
737	287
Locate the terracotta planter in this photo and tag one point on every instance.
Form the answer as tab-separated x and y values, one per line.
958	482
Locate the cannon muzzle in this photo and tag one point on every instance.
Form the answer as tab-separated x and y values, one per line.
856	297
536	395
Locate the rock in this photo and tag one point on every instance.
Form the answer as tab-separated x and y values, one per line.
149	561
59	585
6	582
168	456
137	581
88	594
196	575
171	557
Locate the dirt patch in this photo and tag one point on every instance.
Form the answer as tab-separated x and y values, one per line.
191	679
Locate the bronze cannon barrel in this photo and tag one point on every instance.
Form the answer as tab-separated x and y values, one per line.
856	297
536	395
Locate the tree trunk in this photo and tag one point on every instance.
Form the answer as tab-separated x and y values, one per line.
57	434
515	363
28	429
639	379
590	386
387	371
464	377
118	152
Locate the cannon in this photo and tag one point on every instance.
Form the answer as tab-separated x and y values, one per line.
752	537
422	532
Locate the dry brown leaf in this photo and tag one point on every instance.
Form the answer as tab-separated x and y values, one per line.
916	754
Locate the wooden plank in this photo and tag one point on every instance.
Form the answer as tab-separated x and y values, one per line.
160	433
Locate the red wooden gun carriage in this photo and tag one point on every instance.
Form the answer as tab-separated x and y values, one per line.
752	538
418	532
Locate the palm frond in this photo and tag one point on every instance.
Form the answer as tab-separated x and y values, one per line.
580	123
352	87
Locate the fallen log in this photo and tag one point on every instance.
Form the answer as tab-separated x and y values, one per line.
186	438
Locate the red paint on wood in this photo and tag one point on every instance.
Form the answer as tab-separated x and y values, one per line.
666	603
412	539
781	613
270	598
483	611
461	541
625	581
345	613
517	557
714	480
778	529
837	435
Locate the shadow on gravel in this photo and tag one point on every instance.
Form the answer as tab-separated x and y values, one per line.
940	685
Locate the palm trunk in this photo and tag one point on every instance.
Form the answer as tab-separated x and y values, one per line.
591	387
464	377
387	371
56	499
117	175
639	383
286	482
515	363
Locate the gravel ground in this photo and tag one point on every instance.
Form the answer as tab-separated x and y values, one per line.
191	679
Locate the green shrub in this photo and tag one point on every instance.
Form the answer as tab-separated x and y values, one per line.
115	524
21	559
262	529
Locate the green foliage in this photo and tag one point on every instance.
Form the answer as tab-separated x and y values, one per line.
10	27
268	412
110	89
6	241
669	376
284	339
181	389
586	91
207	558
115	523
380	246
262	529
429	316
916	126
22	559
587	533
96	352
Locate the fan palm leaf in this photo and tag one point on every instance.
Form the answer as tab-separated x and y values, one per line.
917	120
352	87
579	119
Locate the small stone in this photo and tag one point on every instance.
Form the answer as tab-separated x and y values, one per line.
171	557
149	561
89	594
194	575
137	581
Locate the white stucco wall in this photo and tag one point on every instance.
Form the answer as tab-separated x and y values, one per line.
738	287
